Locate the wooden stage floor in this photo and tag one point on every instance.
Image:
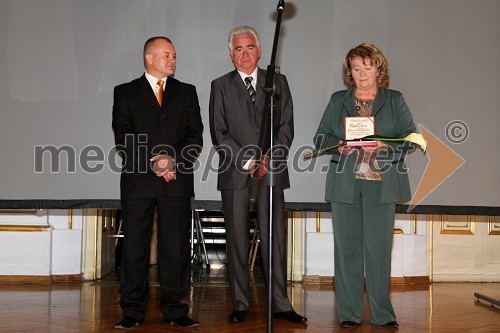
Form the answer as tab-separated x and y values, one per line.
93	307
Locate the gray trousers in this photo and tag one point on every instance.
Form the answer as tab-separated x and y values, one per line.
236	205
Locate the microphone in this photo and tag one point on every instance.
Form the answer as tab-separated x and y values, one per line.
281	5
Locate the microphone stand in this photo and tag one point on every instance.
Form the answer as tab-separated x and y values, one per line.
268	121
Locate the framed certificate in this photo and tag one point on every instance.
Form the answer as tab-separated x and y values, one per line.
357	128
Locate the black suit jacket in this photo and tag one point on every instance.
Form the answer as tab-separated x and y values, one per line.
143	129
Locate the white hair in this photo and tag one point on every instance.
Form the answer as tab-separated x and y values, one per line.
242	30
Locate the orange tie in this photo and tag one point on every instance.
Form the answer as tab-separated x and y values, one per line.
159	96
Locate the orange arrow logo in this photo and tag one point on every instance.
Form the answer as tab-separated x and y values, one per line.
443	162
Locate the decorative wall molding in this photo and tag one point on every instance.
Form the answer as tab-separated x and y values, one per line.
493	226
456	227
24	228
18	211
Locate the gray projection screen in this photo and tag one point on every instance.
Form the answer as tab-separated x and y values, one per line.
60	61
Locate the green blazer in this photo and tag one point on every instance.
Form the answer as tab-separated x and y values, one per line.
392	119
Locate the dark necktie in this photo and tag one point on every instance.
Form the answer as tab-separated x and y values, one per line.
251	90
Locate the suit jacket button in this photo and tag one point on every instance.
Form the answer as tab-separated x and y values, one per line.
163	134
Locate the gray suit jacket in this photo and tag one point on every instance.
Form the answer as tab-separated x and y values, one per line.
235	124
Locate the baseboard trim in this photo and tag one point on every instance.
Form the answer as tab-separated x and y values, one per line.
316	279
40	278
67	278
405	280
466	278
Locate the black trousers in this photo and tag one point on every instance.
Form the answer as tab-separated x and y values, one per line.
174	265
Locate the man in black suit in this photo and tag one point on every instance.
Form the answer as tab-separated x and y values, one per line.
237	102
158	133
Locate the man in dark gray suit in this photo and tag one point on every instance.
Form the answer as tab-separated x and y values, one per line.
237	102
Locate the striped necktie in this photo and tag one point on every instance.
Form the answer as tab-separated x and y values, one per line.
159	96
251	90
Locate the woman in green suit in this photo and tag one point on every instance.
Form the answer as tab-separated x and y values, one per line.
363	185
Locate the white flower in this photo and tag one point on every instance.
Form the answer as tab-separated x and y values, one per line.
418	139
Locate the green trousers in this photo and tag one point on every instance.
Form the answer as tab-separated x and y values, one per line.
363	235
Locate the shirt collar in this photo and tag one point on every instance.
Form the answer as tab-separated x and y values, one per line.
153	80
253	75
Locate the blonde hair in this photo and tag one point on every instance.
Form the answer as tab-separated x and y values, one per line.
377	59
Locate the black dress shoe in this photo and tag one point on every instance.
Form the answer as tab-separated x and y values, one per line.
291	316
238	316
349	324
183	321
391	324
128	322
